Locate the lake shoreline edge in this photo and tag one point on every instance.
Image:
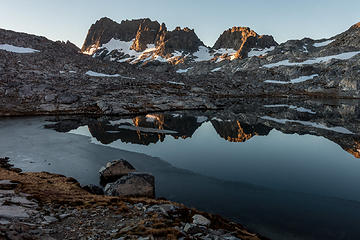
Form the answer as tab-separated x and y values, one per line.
62	198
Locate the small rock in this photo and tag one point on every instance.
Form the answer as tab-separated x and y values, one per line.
4	222
50	219
201	220
67	98
65	215
193	228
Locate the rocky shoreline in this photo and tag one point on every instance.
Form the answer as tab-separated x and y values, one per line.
50	206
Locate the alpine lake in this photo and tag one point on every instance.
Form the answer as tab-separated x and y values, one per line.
287	169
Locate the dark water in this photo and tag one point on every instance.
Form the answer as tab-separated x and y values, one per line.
287	171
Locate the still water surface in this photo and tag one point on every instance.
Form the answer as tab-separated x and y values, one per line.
286	181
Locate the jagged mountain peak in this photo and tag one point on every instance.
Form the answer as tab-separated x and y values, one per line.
242	40
106	29
139	39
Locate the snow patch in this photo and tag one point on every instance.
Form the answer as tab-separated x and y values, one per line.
176	83
202	54
96	74
15	49
323	43
183	70
303	78
216	69
295	80
260	52
341	56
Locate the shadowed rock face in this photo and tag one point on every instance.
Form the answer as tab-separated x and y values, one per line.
105	29
147	33
143	32
243	39
178	39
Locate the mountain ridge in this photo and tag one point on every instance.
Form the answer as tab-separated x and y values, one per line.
178	44
40	76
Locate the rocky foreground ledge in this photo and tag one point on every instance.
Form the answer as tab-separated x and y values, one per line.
50	206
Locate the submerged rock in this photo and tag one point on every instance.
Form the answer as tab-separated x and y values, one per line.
132	185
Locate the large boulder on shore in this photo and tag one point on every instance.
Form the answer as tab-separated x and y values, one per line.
132	185
115	170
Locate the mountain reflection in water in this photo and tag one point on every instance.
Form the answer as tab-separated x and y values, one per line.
279	168
153	128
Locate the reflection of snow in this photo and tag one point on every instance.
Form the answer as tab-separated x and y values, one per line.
201	119
143	129
121	121
299	109
311	124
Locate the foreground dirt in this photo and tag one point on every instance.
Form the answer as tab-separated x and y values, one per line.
50	206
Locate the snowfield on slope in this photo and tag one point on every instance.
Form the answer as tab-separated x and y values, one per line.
341	56
96	74
15	49
293	81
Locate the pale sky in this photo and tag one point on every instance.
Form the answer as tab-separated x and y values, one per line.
284	19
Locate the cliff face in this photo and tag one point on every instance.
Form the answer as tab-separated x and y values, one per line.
143	32
243	39
178	40
147	33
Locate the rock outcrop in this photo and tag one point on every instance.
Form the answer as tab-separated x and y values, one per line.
132	185
148	33
115	170
243	39
178	40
